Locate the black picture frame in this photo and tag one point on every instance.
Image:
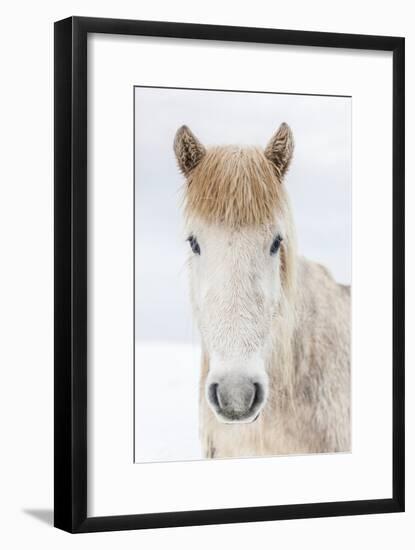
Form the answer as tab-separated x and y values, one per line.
70	174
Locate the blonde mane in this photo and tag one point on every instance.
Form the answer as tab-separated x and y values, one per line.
235	186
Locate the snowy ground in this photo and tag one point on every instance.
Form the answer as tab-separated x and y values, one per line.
166	391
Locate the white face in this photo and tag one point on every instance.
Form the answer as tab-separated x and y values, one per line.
235	289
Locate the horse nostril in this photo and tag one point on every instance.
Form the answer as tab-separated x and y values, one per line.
258	396
213	395
253	397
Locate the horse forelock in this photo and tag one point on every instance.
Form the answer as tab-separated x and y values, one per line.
234	186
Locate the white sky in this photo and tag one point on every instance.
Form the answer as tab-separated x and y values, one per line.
319	185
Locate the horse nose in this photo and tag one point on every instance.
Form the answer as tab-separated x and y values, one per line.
236	400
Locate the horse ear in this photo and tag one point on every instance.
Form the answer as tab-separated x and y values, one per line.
188	149
280	148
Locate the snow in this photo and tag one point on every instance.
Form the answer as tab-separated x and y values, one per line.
166	402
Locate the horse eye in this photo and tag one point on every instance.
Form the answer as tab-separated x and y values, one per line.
194	245
275	245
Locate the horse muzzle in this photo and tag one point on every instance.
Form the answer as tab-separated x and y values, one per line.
236	399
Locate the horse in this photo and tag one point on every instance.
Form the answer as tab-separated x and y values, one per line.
274	326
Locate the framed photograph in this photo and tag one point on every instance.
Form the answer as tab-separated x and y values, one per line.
229	274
